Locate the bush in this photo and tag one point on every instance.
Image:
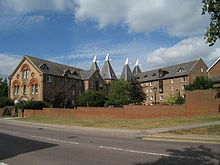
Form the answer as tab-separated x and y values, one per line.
8	111
175	100
4	101
33	105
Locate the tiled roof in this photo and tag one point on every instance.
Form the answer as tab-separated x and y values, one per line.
107	71
53	68
126	73
166	72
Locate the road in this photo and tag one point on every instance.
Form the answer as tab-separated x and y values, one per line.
22	145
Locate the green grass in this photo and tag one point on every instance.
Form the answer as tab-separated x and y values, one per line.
209	130
125	124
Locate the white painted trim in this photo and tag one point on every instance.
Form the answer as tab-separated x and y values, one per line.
213	64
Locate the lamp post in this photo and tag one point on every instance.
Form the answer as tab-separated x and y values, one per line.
155	95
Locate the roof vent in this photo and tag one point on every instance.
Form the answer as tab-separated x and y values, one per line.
44	66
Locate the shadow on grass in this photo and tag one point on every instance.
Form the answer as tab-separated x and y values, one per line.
11	146
189	156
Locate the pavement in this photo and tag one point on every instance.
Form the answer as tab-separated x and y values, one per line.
108	130
36	144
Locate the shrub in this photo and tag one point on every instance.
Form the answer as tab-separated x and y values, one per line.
33	105
8	110
4	101
175	100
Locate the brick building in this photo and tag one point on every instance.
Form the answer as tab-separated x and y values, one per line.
214	73
38	79
166	81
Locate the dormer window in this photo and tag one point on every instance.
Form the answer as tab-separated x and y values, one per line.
181	70
75	73
154	75
145	76
44	66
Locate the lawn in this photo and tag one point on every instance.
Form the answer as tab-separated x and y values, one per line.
124	124
209	130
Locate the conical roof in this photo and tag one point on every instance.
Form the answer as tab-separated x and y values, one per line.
136	69
94	65
126	72
107	71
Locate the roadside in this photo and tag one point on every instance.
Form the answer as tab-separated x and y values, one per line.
198	130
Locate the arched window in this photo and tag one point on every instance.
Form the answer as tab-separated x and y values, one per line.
34	86
16	84
25	70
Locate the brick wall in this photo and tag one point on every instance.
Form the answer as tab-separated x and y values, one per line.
1	111
201	102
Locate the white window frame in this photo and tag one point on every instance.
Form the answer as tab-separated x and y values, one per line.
150	84
171	81
172	89
48	78
151	98
161	97
183	79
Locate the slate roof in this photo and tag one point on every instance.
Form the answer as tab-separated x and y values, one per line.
107	71
126	73
136	70
94	66
53	68
178	70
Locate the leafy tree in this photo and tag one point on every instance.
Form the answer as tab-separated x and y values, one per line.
5	101
199	83
135	91
212	7
118	94
3	88
92	98
175	99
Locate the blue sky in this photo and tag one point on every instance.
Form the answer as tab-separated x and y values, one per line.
157	32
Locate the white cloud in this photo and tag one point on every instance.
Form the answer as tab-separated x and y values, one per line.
186	50
177	17
8	63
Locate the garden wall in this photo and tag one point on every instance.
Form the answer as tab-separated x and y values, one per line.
201	102
1	111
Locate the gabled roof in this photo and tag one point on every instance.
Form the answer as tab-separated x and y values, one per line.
182	69
213	64
126	72
53	68
107	71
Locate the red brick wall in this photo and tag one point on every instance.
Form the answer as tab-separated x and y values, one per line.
202	102
1	111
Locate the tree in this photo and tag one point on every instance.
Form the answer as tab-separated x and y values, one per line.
118	94
175	99
212	7
3	88
199	83
135	91
92	98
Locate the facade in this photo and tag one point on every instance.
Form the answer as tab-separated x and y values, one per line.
214	73
38	79
160	84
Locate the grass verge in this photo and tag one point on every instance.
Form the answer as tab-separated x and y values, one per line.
124	124
209	130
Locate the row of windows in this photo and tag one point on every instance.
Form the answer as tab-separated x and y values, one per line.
49	79
34	90
182	79
161	97
151	90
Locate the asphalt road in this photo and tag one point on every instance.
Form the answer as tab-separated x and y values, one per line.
21	145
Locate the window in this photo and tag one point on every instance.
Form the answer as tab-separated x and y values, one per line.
150	84
48	78
44	66
16	90
24	90
34	89
154	75
73	92
202	70
181	70
171	81
183	79
146	90
147	83
25	73
172	89
183	87
161	97
151	97
151	90
147	98
184	96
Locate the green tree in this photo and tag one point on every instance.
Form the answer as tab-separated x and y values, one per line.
118	94
175	99
92	98
135	91
199	83
212	7
3	88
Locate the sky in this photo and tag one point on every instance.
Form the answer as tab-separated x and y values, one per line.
157	32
